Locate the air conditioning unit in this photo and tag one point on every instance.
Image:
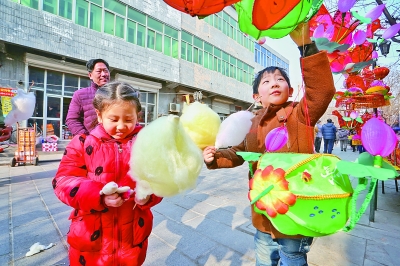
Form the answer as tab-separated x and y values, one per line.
174	107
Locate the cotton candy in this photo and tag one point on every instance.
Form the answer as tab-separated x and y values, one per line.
234	129
164	160
201	123
23	105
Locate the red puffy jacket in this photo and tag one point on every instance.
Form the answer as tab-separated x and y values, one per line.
101	235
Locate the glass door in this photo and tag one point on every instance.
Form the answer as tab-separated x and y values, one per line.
53	114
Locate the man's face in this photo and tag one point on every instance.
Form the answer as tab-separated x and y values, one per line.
100	74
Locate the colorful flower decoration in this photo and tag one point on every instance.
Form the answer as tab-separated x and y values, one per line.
269	190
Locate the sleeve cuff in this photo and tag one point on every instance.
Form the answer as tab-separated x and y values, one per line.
308	49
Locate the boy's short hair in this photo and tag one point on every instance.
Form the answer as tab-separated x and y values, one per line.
270	69
92	62
329	120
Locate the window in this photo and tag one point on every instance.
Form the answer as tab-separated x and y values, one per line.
50	6
31	3
95	17
65	8
53	91
81	13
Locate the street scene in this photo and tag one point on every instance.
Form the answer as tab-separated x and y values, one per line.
208	225
207	132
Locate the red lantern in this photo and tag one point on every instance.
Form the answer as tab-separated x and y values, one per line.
355	81
381	72
200	7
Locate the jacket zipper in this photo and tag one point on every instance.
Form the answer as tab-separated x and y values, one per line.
118	174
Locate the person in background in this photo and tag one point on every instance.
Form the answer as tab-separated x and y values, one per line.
350	137
107	228
329	135
343	137
272	89
81	116
318	136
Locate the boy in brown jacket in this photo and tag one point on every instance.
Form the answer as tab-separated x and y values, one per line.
272	88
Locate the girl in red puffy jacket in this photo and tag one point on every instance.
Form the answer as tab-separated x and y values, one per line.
105	229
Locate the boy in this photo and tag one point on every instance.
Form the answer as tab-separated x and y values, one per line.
272	88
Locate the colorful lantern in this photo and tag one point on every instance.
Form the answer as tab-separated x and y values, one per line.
260	18
381	72
200	7
276	139
378	139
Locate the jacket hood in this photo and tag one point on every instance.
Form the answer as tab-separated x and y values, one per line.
329	125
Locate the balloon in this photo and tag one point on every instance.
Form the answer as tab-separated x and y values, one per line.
345	5
375	12
375	54
378	138
359	37
391	31
276	139
200	7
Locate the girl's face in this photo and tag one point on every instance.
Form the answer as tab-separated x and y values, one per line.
118	119
273	89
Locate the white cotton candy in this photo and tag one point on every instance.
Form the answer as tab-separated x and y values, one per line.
23	105
234	129
164	160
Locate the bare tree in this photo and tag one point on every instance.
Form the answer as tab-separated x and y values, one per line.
391	113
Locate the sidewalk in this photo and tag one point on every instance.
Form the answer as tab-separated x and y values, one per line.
208	225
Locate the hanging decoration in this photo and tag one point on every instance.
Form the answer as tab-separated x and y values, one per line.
200	8
274	19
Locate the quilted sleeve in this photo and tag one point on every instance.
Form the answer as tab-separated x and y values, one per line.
71	184
154	200
74	120
320	87
227	158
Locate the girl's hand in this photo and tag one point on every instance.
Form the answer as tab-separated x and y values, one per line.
208	154
142	201
301	34
113	200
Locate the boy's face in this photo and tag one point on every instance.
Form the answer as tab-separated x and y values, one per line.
273	89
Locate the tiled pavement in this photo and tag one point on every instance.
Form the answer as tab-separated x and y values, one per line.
208	225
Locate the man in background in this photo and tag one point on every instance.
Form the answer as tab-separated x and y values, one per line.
329	134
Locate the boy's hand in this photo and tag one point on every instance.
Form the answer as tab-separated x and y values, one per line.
301	34
208	154
113	200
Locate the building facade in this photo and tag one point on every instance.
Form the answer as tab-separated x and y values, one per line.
167	55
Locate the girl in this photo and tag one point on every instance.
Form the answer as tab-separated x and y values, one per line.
105	229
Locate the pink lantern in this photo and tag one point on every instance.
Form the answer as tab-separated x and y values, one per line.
375	12
262	40
378	138
319	31
345	5
359	37
391	31
375	54
354	114
276	139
